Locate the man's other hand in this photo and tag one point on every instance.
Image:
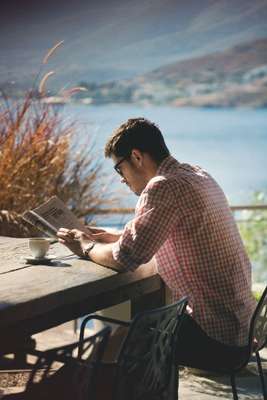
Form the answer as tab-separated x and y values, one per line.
74	239
102	236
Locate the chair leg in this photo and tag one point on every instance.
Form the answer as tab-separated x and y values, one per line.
81	337
264	392
235	396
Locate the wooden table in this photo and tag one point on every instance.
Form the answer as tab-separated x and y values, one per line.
34	298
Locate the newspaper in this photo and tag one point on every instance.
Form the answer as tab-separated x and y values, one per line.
51	216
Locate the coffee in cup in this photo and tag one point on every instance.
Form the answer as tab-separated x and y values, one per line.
39	246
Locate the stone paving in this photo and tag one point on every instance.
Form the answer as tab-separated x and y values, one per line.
209	386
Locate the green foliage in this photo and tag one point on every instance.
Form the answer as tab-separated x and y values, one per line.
257	295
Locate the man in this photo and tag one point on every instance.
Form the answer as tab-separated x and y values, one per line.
182	217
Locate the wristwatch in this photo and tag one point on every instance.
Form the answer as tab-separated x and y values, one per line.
88	248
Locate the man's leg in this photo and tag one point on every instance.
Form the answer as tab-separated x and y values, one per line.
197	350
114	344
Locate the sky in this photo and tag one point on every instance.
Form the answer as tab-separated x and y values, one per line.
17	11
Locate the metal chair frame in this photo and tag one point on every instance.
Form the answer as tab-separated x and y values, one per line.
145	365
256	341
258	335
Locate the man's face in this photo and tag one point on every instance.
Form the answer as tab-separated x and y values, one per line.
131	173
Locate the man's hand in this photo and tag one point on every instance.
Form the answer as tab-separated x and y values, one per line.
103	236
74	239
77	241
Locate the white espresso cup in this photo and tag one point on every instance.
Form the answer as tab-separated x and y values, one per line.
39	247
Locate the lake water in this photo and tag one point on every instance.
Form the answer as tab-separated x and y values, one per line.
231	144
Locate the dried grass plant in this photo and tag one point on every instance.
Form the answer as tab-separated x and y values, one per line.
37	160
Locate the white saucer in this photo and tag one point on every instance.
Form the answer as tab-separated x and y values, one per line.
34	260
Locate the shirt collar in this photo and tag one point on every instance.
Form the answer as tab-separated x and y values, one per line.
166	165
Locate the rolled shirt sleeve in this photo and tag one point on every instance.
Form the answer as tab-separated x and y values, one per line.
156	214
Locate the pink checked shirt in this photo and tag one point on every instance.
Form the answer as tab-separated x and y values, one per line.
182	217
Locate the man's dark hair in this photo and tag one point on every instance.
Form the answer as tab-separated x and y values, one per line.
137	133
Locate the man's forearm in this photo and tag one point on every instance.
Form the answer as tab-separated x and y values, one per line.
102	254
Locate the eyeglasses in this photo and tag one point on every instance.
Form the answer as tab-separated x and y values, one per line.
117	166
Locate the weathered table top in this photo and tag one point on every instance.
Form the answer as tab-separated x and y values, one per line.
37	297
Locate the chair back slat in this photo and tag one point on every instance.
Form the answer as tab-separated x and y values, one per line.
147	355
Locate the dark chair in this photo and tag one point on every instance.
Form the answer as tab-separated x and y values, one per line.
258	335
256	341
64	373
145	368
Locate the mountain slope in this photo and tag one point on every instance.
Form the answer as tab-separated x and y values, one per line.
234	77
236	60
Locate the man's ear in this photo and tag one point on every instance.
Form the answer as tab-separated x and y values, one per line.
137	157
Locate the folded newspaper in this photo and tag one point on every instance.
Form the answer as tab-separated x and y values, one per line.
51	216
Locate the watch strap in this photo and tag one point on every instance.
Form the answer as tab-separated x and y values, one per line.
88	248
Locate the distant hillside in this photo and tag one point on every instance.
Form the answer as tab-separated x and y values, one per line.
231	78
234	77
229	64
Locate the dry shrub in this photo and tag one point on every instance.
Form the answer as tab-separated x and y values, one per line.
37	161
